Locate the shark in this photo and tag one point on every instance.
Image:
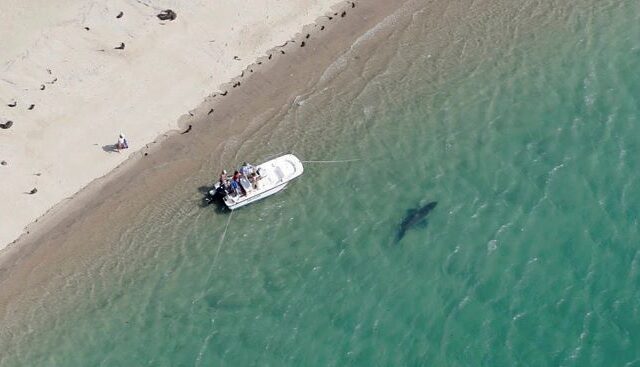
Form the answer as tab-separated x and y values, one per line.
415	217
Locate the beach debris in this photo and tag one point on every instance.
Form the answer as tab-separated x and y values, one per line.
13	104
53	81
167	15
302	44
31	106
119	15
236	58
210	112
3	163
186	131
49	71
41	86
121	47
6	125
87	28
33	191
37	174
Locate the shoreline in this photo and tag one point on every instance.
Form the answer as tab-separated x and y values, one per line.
57	239
69	89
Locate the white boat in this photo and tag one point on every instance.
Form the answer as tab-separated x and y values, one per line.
270	178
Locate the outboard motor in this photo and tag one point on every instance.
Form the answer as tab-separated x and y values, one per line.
219	192
215	194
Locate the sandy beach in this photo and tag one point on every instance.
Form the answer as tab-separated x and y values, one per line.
73	75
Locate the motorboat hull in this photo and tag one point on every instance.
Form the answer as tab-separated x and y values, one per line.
275	176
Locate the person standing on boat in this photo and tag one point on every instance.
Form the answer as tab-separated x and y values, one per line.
247	170
235	183
122	143
224	180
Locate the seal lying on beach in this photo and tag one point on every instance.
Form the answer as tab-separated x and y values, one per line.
415	217
167	15
6	125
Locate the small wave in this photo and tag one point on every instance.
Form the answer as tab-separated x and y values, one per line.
341	62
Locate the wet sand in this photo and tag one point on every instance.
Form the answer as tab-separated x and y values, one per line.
58	241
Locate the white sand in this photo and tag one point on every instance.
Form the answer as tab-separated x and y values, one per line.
166	69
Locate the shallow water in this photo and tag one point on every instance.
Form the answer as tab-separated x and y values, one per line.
519	118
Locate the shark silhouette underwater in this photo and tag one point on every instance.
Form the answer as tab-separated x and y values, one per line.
416	217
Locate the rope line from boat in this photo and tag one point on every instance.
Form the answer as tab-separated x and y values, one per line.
224	234
215	258
337	161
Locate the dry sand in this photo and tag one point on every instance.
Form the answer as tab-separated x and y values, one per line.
60	57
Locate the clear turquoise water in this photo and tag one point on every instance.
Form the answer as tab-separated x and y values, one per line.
520	118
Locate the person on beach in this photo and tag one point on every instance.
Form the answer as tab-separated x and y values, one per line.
122	143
